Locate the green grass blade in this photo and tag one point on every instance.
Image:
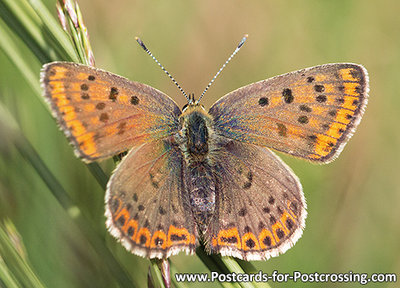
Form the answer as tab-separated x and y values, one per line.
228	265
234	266
27	30
6	278
13	262
59	40
37	27
214	264
98	174
155	274
11	50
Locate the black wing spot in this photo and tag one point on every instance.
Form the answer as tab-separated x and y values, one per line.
305	108
134	100
280	233
103	117
332	113
242	212
266	210
250	243
319	88
303	119
321	98
287	95
263	101
113	94
100	106
131	231
271	200
267	241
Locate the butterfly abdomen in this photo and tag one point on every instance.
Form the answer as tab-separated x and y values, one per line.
201	188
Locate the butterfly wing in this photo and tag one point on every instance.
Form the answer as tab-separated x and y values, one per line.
146	207
309	113
260	207
104	114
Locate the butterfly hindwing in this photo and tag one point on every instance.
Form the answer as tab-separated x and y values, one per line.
310	113
260	207
145	206
104	114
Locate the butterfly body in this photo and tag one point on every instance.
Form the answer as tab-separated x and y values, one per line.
196	141
194	175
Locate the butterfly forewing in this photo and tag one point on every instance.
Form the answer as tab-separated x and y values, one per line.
145	205
104	114
310	113
260	207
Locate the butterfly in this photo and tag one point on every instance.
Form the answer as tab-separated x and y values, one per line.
194	175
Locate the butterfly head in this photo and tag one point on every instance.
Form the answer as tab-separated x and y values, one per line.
191	104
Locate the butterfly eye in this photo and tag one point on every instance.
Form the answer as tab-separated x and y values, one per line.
185	106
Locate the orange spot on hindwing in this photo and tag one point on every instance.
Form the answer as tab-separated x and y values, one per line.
266	239
158	240
178	236
250	242
121	218
288	221
279	231
143	237
229	237
131	229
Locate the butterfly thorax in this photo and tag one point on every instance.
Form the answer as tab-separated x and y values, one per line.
195	134
196	139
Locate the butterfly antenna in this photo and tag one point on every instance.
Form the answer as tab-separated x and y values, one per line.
223	66
162	67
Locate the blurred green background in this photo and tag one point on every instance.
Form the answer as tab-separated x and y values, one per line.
353	203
